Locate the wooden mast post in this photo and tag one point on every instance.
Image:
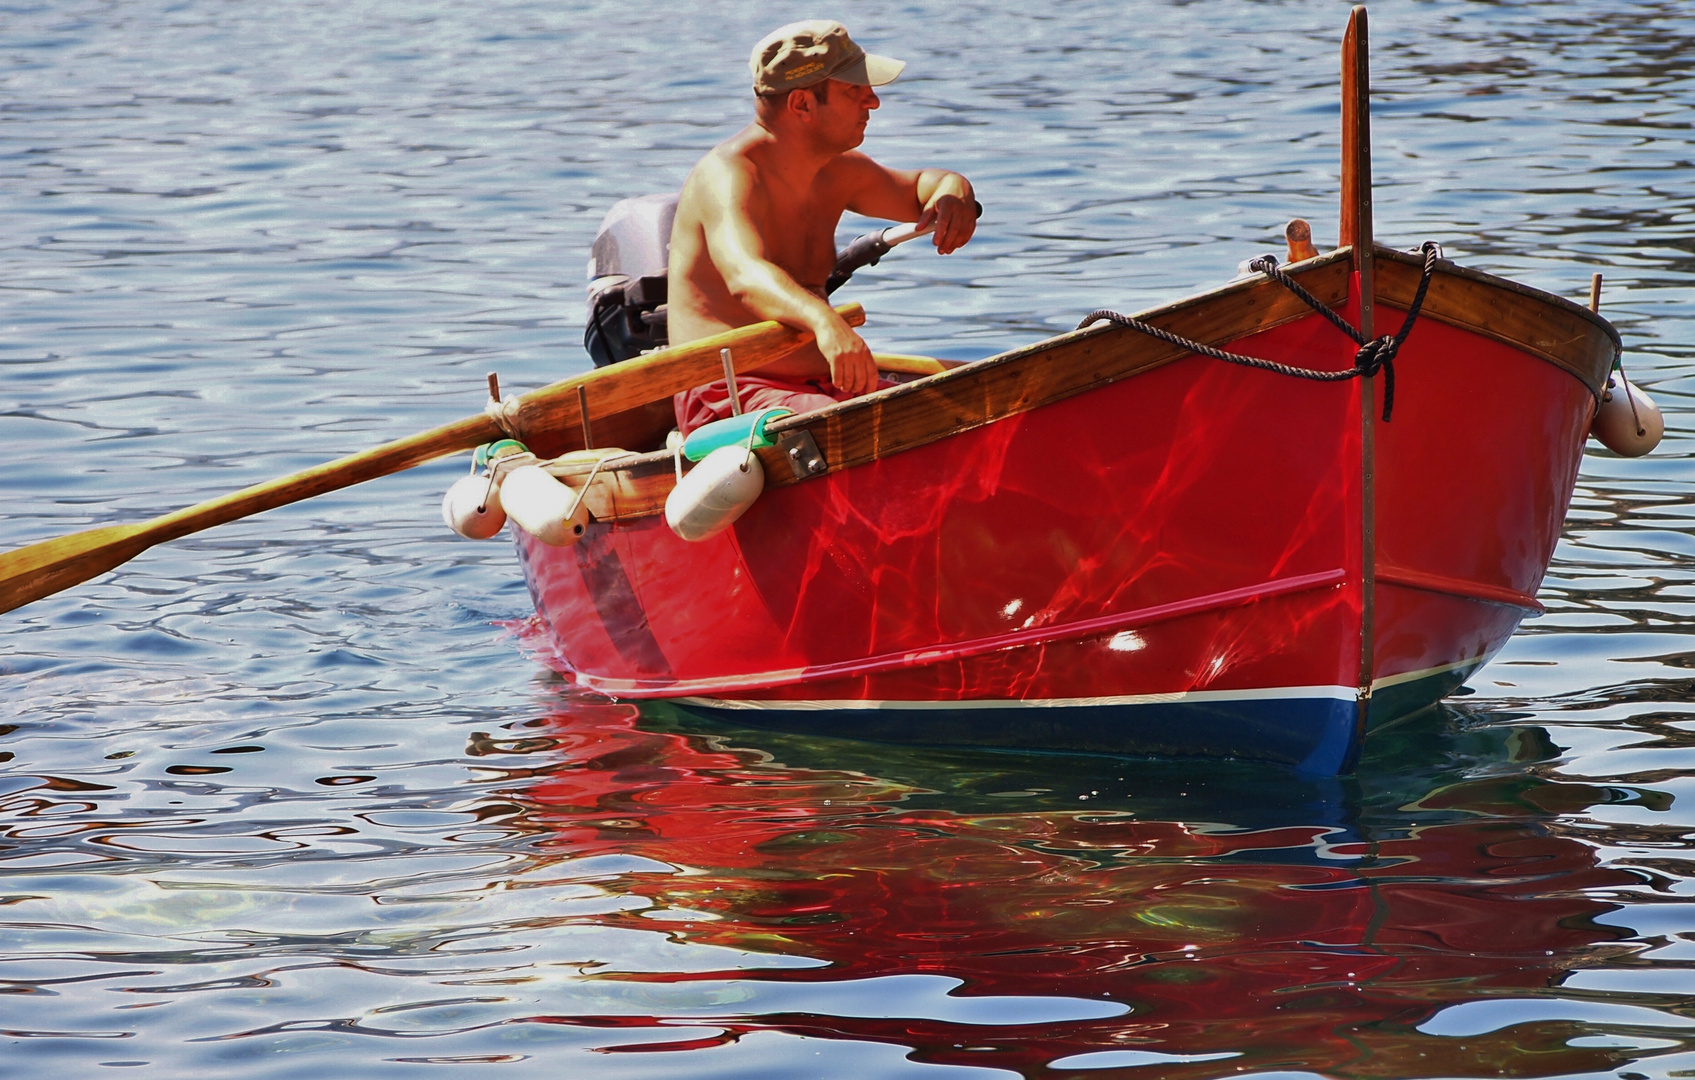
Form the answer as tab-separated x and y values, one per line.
1355	232
1356	159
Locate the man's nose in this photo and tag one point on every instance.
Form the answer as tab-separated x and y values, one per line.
872	101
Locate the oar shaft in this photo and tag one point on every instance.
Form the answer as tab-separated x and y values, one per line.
392	457
633	383
42	569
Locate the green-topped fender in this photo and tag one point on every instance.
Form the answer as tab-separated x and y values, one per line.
494	451
748	429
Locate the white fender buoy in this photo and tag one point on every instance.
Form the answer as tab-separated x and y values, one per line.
714	493
543	507
1625	431
466	512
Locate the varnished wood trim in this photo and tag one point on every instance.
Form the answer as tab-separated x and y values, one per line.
1549	327
1355	228
628	486
889	421
971	395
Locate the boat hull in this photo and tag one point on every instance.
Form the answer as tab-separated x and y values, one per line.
1191	558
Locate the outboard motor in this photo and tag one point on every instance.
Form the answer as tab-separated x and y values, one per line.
627	279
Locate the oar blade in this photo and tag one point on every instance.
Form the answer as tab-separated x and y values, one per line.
29	573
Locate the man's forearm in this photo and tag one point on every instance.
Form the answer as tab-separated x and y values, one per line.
769	292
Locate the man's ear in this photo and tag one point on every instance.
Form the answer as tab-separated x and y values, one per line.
802	104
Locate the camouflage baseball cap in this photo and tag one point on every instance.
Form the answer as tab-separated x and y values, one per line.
806	53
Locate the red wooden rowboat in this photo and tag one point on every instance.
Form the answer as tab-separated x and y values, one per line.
1104	541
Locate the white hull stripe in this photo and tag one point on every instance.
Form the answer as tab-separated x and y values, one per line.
1441	669
1193	697
1276	693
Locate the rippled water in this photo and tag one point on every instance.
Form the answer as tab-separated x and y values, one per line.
287	798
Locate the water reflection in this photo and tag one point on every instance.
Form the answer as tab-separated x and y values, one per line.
1239	918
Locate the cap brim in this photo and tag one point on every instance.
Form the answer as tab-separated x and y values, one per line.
871	70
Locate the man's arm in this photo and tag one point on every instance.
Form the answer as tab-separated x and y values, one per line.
766	289
924	195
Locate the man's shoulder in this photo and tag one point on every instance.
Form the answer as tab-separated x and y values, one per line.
740	151
725	165
852	169
852	160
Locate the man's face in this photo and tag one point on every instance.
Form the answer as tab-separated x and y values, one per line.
843	117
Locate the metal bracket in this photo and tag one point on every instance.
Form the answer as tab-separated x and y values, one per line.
801	451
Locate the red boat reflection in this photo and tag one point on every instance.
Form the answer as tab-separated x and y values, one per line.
1294	940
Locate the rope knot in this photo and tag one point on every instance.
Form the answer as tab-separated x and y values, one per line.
507	413
1377	355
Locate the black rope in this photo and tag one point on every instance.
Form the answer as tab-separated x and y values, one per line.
1374	355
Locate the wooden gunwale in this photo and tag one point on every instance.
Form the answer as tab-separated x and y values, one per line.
910	415
1564	333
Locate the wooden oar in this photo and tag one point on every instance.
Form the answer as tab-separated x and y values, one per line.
29	573
903	364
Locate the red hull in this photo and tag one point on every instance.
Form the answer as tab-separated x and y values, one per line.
1174	560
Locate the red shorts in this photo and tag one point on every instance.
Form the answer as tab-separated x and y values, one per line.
704	404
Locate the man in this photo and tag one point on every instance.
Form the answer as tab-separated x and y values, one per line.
754	236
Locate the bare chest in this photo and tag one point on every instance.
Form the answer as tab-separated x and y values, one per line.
801	239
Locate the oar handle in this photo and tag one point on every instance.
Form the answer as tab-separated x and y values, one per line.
868	249
895	235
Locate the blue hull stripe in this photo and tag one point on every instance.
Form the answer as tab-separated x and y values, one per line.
1316	729
1315	734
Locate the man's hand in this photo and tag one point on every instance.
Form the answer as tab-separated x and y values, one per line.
955	220
852	367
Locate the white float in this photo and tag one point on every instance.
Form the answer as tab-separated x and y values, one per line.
1627	431
543	506
714	493
472	508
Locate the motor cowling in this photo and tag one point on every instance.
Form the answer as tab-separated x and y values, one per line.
627	283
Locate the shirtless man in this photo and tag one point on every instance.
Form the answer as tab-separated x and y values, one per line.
754	236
